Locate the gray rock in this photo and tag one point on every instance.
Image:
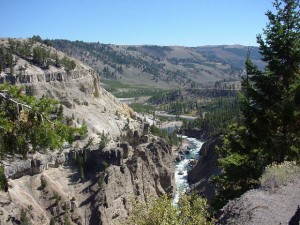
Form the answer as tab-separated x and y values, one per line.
264	207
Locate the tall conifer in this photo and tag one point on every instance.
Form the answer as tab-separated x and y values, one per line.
270	101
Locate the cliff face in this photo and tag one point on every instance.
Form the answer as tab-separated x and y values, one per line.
147	171
199	175
80	184
50	186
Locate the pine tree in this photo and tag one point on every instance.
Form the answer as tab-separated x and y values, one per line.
271	113
28	124
270	105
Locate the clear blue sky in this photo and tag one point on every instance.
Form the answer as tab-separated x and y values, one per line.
159	22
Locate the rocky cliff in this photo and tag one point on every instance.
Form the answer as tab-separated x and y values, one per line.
77	89
83	184
51	187
206	167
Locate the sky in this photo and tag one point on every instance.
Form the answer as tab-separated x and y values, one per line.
136	22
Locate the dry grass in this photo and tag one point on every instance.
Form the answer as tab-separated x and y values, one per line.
277	175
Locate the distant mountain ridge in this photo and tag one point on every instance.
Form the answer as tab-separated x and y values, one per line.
163	66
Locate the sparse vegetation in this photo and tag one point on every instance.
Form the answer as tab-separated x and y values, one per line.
279	174
24	220
67	220
52	221
56	197
39	55
100	181
104	139
160	65
2	179
43	182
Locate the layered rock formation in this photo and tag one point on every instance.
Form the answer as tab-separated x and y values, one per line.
49	186
81	184
148	171
78	90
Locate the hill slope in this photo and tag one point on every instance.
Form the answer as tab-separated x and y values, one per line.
76	88
161	66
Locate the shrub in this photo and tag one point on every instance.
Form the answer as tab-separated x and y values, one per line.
279	174
2	179
24	220
104	139
52	221
43	182
191	210
57	197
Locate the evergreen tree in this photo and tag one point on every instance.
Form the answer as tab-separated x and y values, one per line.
2	59
30	124
270	106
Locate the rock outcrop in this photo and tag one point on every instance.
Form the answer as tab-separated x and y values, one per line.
50	186
199	175
277	206
35	164
148	172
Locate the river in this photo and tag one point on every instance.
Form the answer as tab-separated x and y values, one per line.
182	167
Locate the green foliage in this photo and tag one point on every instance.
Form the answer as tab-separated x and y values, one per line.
52	221
2	179
39	55
56	197
112	58
241	168
121	90
69	64
24	220
171	138
43	182
7	59
191	210
27	123
142	108
96	89
104	139
36	38
271	130
100	180
216	116
279	174
67	220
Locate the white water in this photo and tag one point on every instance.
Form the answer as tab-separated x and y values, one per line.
183	166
